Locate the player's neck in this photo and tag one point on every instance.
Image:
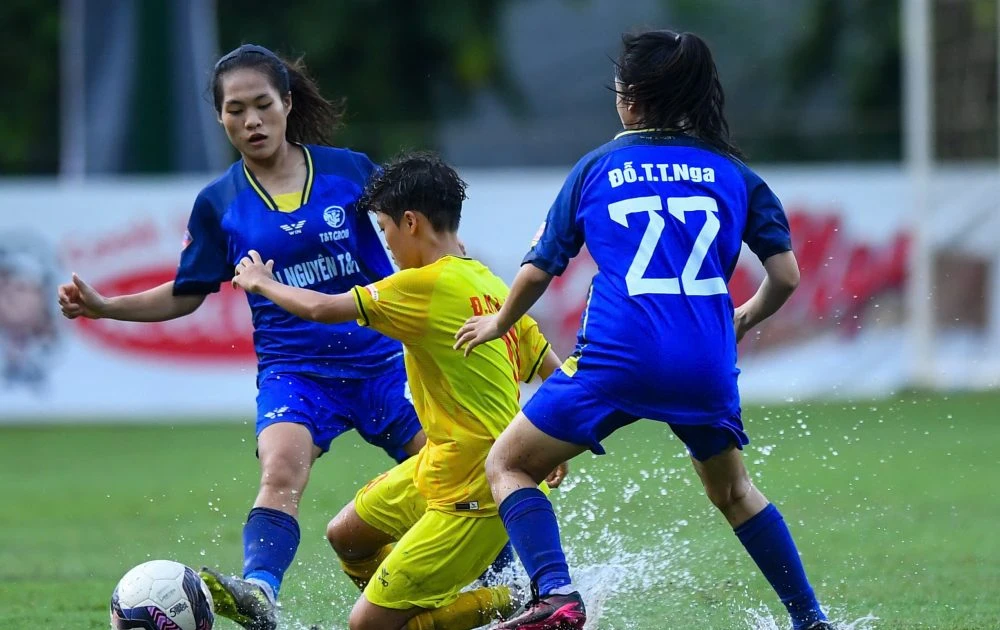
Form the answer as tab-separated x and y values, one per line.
273	165
437	246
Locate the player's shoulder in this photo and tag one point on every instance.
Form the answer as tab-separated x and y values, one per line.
346	163
221	192
418	279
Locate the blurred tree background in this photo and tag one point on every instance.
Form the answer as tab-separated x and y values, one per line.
29	107
821	82
403	65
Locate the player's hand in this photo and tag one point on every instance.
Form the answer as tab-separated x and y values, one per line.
742	321
477	331
252	272
555	478
79	299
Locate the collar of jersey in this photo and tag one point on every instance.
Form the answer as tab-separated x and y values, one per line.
629	132
267	199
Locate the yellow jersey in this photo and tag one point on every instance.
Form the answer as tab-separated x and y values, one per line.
463	403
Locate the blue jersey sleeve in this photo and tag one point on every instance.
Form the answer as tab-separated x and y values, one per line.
204	262
561	236
766	231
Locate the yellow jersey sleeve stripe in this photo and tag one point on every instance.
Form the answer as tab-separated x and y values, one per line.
538	362
363	320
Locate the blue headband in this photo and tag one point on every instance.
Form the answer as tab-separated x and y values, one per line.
254	49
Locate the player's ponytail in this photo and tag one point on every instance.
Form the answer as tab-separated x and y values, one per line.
312	119
672	79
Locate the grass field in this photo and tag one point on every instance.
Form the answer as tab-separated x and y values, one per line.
894	504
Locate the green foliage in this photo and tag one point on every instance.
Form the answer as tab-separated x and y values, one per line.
857	45
403	65
29	62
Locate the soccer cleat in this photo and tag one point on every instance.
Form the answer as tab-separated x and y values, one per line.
239	600
552	612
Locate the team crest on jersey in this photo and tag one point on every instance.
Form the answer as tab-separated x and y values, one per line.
187	240
293	228
334	216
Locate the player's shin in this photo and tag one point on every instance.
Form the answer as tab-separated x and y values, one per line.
531	524
768	541
270	540
472	609
361	571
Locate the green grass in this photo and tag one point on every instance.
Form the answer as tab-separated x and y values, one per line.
894	505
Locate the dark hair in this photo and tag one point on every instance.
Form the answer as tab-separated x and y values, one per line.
419	181
672	79
312	120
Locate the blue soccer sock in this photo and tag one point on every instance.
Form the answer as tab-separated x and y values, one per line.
531	524
770	544
270	539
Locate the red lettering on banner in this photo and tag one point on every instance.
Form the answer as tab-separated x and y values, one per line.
841	280
135	237
220	331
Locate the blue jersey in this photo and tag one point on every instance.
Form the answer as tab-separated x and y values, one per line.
663	216
326	245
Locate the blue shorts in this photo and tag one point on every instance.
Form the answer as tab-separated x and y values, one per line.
379	408
566	410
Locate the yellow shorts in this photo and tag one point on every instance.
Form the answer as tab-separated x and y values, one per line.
437	554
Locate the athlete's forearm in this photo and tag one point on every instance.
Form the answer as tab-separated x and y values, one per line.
529	285
158	304
779	284
311	305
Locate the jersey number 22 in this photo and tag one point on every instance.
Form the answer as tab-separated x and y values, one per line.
678	207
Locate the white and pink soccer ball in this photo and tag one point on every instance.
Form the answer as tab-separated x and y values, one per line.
162	595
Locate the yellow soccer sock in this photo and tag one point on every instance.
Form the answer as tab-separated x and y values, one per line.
472	609
361	571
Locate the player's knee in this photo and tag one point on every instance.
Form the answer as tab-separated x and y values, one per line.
357	620
730	493
338	536
495	467
284	474
361	617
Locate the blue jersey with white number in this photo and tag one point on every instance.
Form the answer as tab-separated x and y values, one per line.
326	245
663	216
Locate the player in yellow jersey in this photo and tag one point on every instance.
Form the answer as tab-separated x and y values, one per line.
418	534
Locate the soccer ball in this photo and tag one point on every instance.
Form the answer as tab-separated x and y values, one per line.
161	595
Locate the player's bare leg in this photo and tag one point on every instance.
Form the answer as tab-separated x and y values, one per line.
762	530
360	547
286	453
522	457
368	616
728	486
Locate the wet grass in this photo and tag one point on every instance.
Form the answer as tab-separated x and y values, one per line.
894	505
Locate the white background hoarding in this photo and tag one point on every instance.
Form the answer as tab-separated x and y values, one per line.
842	334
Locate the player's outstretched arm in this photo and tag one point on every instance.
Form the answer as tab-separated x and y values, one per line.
159	304
253	275
780	282
529	285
